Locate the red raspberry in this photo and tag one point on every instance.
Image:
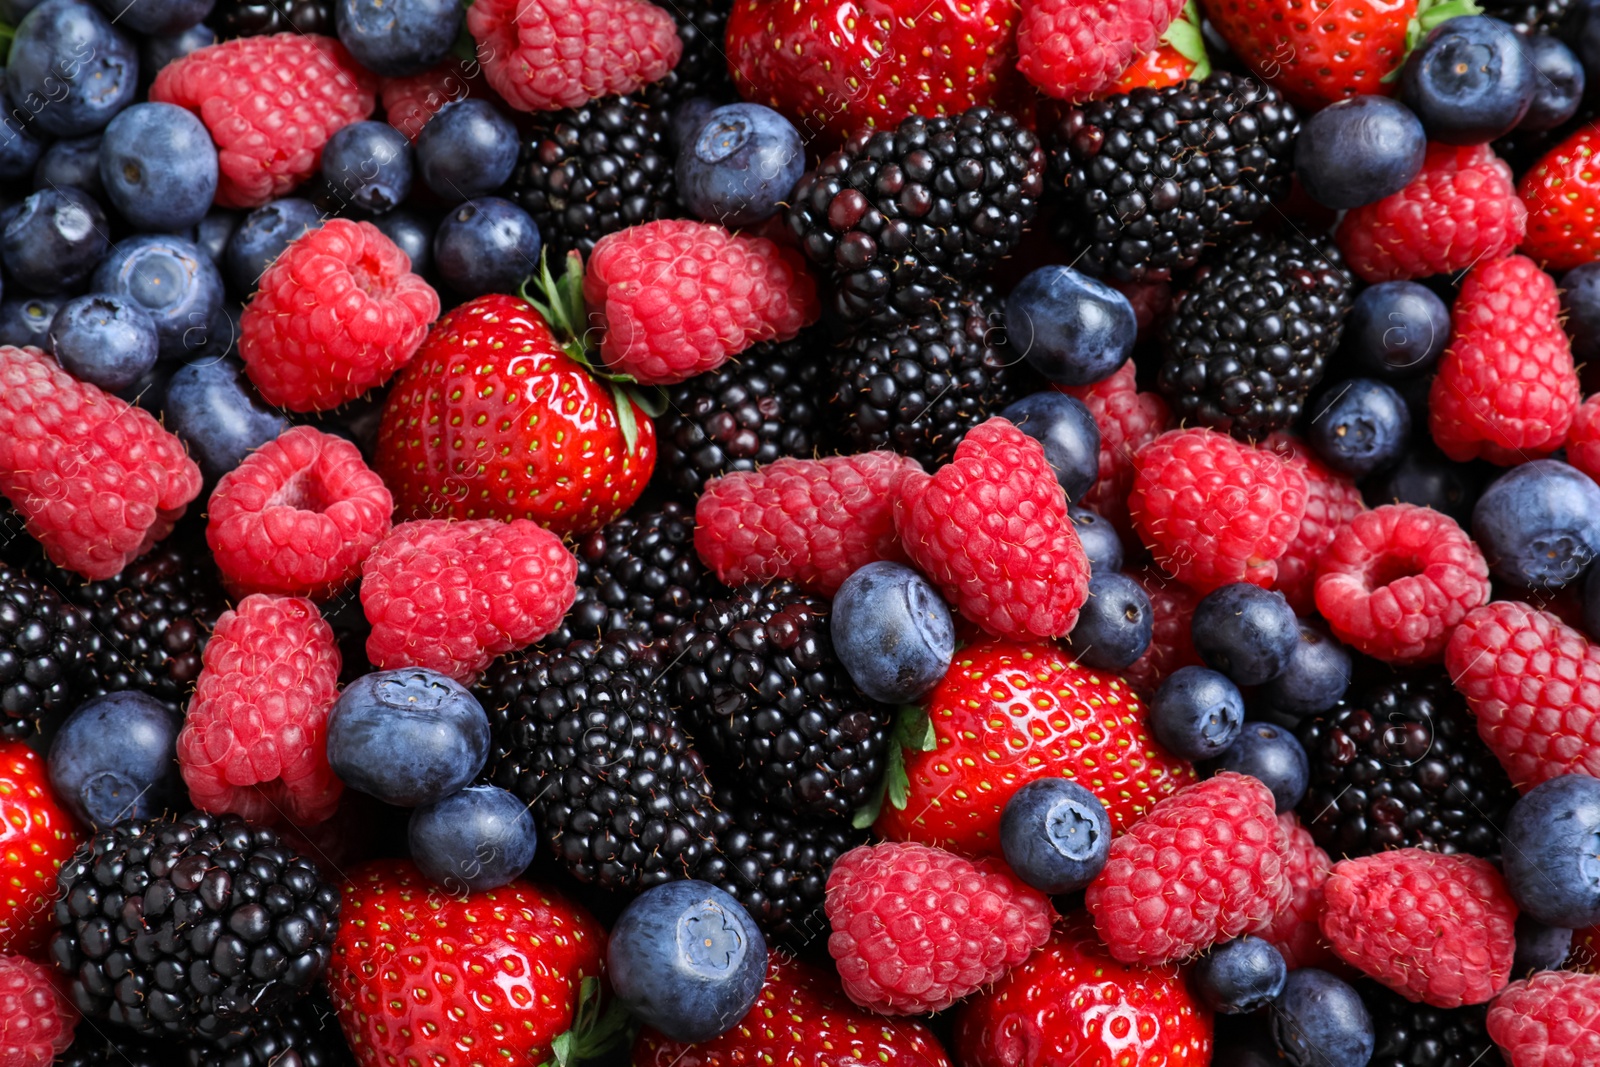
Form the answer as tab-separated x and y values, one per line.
1436	929
1172	607
1215	511
916	928
36	837
1562	194
337	313
1294	929
678	297
1533	682
451	596
1204	866
544	55
1331	501
1506	389
812	521
36	1020
408	103
1461	208
98	481
270	104
1583	439
1128	420
1397	579
1551	1019
255	739
990	530
1069	49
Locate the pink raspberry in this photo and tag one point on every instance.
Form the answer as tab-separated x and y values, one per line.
1583	439
1396	580
1215	511
1549	1020
408	103
1533	683
297	517
98	481
677	297
36	1020
916	928
1128	420
812	521
1204	866
1331	501
1294	929
255	739
451	596
1436	929
990	530
336	314
1172	607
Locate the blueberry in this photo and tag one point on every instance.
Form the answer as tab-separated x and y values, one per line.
175	282
1315	679
1539	947
1395	331
368	166
1114	624
158	167
20	149
70	69
1240	976
1320	1021
411	233
1056	835
115	758
740	166
107	341
1197	713
1426	478
1358	151
892	632
53	240
398	38
1551	856
1359	426
1073	329
408	737
262	237
1272	756
1071	440
25	320
157	16
1100	540
1539	524
687	959
688	119
1469	81
1580	300
468	149
156	52
486	245
1246	632
1557	85
475	840
74	161
212	407
212	233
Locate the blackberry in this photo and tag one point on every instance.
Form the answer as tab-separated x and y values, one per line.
585	737
191	927
1402	766
894	213
16	544
1148	179
304	1035
44	643
257	18
103	1046
1537	16
1418	1035
755	678
763	406
702	70
1243	347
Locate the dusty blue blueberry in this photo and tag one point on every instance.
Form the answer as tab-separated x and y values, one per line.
53	240
411	233
368	166
74	161
1272	756
1469	81
1197	713
1551	857
1240	976
25	320
398	38
1100	540
892	632
1395	330
1557	85
1321	1021
1316	677
70	69
487	245
156	52
1539	524
688	119
262	237
115	758
1246	632
475	840
1071	440
1114	625
107	341
212	407
1358	151
408	737
1359	426
176	283
1055	835
1539	947
158	167
1073	329
212	233
1580	301
20	147
468	149
740	166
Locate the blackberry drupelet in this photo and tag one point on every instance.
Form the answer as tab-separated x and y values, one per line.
257	18
307	1034
702	70
190	928
755	678
584	736
895	213
1245	345
1418	1035
1536	16
1148	179
1402	766
44	643
106	1046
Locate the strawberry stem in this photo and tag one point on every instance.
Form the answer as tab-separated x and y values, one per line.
595	1030
913	732
1184	35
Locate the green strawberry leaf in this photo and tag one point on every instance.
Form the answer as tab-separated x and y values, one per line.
626	421
913	731
1184	35
597	1028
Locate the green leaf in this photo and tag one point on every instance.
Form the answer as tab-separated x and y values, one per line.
651	398
895	780
1184	35
626	420
561	1050
913	732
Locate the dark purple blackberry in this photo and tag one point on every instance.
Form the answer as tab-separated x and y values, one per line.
305	1035
257	18
1402	766
193	927
1418	1035
1536	16
17	545
894	214
108	1046
44	643
1148	179
702	70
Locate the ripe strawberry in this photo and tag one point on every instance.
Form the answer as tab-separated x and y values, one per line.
1562	193
36	837
1008	714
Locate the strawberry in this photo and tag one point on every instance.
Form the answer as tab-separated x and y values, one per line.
1562	194
1007	714
420	975
36	837
1178	56
1071	1003
803	1017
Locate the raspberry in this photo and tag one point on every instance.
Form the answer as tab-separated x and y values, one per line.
678	297
1151	301
270	104
451	596
812	521
1395	580
1294	930
1560	192
1549	1020
408	103
1533	683
1128	420
1331	501
337	313
1434	928
1204	866
99	482
36	1021
544	55
916	928
1215	511
1069	49
255	740
1172	607
1506	389
1460	209
1583	439
990	530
